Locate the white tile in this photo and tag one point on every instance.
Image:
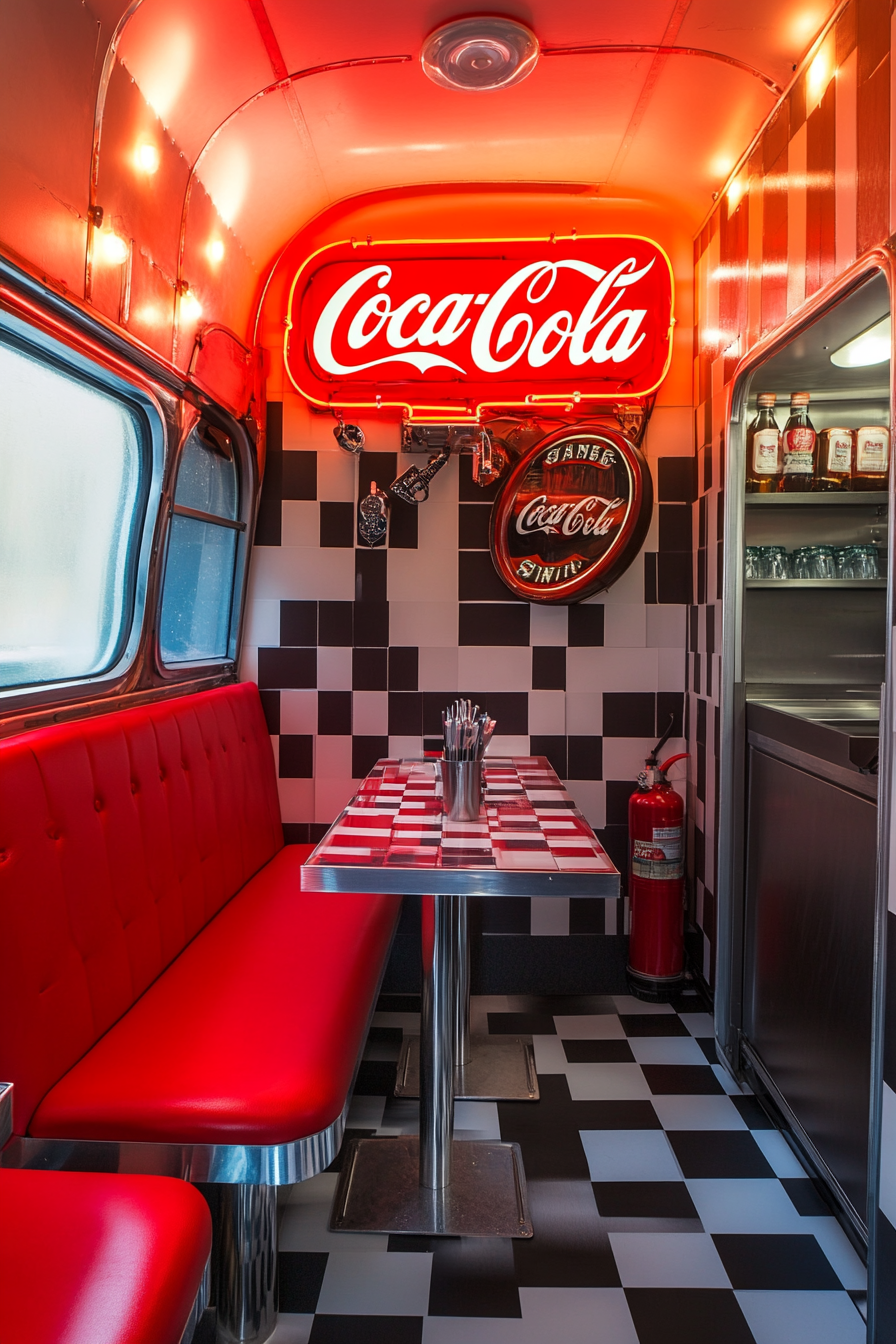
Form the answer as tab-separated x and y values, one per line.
334	669
333	758
584	713
666	1050
412	573
297	418
370	713
576	1316
300	525
629	1155
549	1054
303	572
298	712
730	1205
476	1120
625	625
292	1328
778	1153
262	624
670	432
605	669
508	745
425	624
306	1218
374	1284
331	796
296	799
666	626
547	625
249	663
406	746
888	1154
589	1027
698	1024
590	797
547	712
627	1003
776	1317
409	1022
668	1260
606	1082
437	667
494	669
337	473
696	1112
671	669
840	1252
623	757
731	1086
550	916
628	588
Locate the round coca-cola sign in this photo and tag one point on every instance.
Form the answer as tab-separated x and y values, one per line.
571	515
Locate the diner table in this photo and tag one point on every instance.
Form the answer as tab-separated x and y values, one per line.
394	837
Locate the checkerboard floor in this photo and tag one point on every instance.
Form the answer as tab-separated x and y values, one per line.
666	1206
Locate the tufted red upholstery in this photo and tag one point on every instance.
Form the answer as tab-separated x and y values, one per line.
120	839
88	1259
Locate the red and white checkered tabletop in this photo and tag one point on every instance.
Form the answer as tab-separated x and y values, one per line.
530	839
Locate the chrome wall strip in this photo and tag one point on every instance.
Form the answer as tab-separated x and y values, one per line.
214	1164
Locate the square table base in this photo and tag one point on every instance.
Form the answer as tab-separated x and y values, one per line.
379	1191
501	1068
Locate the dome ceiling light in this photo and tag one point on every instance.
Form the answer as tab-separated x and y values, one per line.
476	55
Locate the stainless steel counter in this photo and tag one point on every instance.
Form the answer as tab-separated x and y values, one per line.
839	731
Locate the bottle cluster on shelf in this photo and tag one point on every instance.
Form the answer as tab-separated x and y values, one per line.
811	562
796	459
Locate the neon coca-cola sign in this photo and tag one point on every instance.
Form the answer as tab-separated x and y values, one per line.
571	515
442	328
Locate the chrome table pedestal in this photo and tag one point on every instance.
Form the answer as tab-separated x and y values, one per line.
434	1186
487	1068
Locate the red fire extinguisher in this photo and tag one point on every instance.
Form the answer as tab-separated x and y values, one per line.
656	882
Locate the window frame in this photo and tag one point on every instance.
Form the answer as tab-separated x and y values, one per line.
151	422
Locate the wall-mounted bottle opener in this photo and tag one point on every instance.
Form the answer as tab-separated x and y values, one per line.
349	437
488	459
413	485
373	517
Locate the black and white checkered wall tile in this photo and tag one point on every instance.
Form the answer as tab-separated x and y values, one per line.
357	651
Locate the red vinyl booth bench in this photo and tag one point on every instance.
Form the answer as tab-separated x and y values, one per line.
172	1002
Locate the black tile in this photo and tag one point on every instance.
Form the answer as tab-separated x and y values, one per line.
379	467
385	1036
270	704
653	1024
474	1276
287	669
509	709
615	841
403	668
499	623
889	1062
334	626
548	667
515	1024
295	833
336	1164
472	527
376	1078
675	529
570	1248
649	577
670	705
398	1003
316	832
298	624
468	491
598	1052
587	916
367	1330
506	914
405	713
805	1197
885	1294
676	480
299	474
478	580
643	1199
686	1316
752	1114
337	524
366	751
370	575
334	713
629	714
585	758
555	750
708	1045
369	669
372	624
772	1261
682	1079
718	1154
299	1278
433	704
675	577
296	756
618	793
268	524
586	625
404	525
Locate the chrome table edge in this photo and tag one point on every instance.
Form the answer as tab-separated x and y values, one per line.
397	881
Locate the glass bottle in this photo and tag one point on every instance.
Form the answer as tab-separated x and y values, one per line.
764	449
836	458
872	458
798	444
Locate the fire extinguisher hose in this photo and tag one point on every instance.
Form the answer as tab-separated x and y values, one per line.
682	755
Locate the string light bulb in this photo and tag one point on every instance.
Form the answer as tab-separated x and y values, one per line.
215	250
190	307
113	249
146	157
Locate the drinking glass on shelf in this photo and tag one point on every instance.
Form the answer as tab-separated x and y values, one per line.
801	563
821	562
864	562
843	562
777	562
751	562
